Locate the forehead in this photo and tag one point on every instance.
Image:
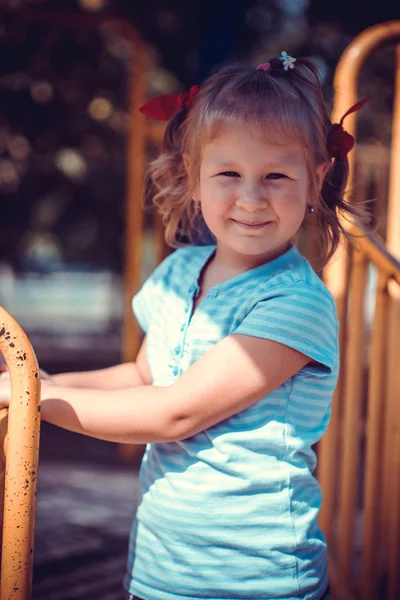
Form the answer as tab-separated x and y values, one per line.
237	143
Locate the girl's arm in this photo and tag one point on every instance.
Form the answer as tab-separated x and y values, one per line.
121	376
231	376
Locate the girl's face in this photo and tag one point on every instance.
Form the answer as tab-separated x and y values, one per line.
253	194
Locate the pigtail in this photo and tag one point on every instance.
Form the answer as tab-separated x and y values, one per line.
173	132
168	190
332	209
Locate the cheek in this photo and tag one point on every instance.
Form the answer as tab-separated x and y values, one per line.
291	204
297	194
216	193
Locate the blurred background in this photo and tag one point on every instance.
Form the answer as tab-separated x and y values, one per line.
64	122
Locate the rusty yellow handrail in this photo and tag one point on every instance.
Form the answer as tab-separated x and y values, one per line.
345	85
374	415
21	452
339	451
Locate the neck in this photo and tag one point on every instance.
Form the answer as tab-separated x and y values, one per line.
234	263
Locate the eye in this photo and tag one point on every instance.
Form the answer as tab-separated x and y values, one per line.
276	176
230	174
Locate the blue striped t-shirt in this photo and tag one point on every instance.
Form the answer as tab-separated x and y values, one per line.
231	512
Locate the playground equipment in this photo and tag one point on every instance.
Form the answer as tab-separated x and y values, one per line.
19	448
359	457
359	474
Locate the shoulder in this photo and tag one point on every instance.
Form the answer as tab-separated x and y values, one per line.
297	282
294	307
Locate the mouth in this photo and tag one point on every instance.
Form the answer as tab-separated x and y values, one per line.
252	225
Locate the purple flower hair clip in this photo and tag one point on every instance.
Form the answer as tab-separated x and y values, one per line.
287	61
264	67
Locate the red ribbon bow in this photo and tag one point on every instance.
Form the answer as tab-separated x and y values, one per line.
340	142
164	106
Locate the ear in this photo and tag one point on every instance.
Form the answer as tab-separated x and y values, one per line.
321	171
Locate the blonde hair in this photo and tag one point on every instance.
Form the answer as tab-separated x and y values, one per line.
273	103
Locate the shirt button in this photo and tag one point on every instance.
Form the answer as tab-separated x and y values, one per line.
182	327
186	309
177	350
175	371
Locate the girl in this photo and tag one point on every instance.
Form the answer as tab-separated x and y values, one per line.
233	382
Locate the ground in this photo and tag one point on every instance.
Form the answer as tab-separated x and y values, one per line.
83	516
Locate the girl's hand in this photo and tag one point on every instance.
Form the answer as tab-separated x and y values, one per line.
5	386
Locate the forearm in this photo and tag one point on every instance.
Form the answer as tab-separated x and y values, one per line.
114	378
135	415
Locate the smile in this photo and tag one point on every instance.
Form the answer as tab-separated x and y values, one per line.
250	225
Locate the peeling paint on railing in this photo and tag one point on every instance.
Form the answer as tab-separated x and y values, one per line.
20	449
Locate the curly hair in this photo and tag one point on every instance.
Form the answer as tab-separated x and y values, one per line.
274	104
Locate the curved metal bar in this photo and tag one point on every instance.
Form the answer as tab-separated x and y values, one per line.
22	451
350	63
393	217
345	85
336	274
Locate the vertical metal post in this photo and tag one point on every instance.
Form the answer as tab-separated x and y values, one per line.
21	449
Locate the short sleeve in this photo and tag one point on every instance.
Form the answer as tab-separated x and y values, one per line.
298	315
146	299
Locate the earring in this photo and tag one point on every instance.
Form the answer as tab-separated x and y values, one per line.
311	209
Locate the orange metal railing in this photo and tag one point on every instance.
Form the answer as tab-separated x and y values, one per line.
19	442
359	457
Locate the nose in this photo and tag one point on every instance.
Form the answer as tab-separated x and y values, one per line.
252	198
